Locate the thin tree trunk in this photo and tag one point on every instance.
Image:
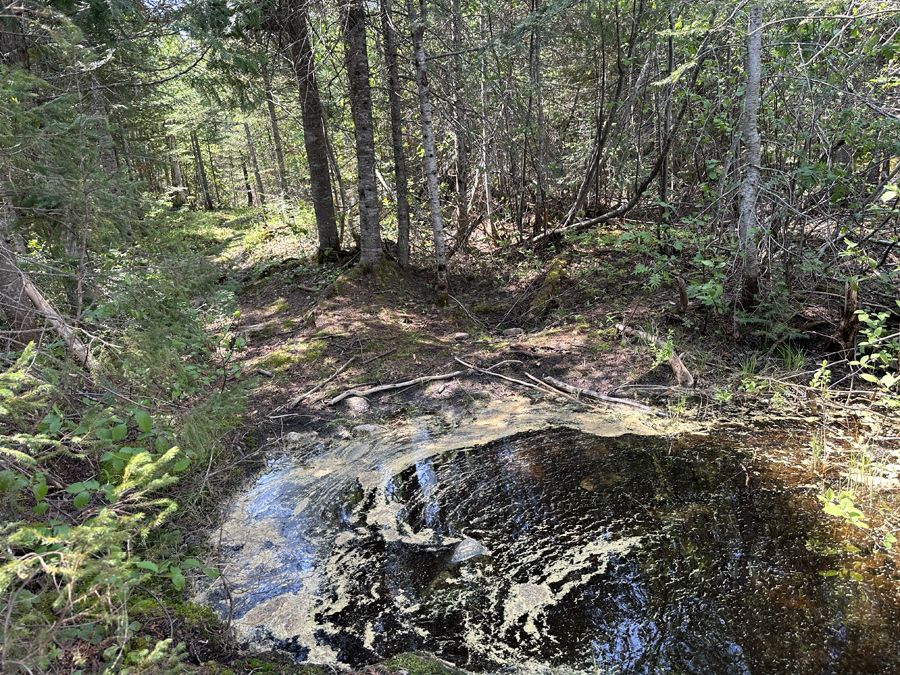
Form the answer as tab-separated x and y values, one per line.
20	315
313	132
400	175
261	199
353	25
540	145
201	172
280	175
247	185
442	297
212	170
665	122
750	185
179	194
484	139
461	128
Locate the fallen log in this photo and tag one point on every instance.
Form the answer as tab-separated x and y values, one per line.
580	391
398	385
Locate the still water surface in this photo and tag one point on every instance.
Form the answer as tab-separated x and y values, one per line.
557	548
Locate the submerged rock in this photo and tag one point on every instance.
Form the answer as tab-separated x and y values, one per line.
365	429
467	549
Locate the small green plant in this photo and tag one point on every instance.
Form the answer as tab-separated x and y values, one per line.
842	506
664	353
880	350
793	359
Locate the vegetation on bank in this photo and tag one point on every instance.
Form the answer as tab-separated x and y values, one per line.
591	163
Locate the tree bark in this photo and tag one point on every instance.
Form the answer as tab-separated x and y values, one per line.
179	194
461	128
353	25
280	177
313	132
400	174
442	296
247	185
201	172
20	316
539	138
750	184
260	197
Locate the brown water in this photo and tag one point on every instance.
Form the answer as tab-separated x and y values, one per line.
626	554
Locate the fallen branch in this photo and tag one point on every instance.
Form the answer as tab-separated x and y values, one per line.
685	379
378	356
388	387
580	391
312	391
504	377
562	393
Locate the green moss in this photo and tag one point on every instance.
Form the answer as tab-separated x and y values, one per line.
196	615
420	664
487	309
290	323
304	352
278	306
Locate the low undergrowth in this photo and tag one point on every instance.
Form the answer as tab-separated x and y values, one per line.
100	472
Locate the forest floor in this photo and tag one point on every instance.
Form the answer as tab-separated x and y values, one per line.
309	333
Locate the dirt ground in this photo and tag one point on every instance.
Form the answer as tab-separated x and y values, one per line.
310	339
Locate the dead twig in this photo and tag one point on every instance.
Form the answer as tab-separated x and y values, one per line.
398	385
685	379
562	393
466	311
312	391
602	397
542	388
378	356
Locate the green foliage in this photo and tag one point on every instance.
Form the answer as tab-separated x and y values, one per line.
883	350
842	506
89	484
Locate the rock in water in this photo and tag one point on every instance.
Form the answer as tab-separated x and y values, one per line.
467	549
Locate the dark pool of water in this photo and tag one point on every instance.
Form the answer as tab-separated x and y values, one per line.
626	555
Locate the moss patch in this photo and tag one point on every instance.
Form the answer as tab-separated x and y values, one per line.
303	352
278	306
420	664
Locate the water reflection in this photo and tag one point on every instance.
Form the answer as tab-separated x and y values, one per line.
628	553
631	554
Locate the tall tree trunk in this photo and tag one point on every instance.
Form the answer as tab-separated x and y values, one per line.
280	175
461	128
665	123
353	25
442	297
247	185
260	196
485	136
400	175
750	184
212	170
539	140
201	173
313	132
20	315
